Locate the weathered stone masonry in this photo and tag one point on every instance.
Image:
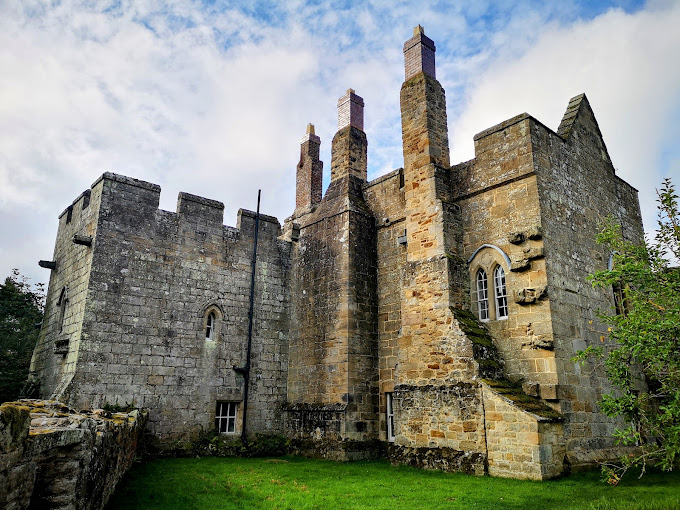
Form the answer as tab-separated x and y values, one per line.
54	457
430	314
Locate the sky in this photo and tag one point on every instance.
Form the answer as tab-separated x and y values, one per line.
213	97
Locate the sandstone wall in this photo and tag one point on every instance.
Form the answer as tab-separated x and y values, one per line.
521	444
154	276
53	457
385	196
499	200
55	357
578	188
333	349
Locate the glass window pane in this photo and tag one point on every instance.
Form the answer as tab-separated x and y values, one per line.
482	295
501	293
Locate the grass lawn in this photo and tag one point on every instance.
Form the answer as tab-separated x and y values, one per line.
291	482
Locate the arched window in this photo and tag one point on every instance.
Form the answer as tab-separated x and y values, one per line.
482	296
210	326
212	322
501	293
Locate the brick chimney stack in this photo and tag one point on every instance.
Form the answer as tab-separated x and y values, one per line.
351	111
419	54
349	148
309	172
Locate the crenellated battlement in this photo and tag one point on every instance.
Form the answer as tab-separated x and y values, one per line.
125	196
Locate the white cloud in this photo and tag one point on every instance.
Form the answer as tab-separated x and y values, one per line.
214	100
625	65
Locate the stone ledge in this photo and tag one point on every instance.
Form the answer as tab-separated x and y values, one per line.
515	395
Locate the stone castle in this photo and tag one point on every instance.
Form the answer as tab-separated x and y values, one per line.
429	315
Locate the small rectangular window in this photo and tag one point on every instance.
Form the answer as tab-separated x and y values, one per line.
225	417
620	303
390	417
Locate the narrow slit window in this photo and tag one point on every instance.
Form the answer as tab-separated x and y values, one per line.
63	299
210	326
390	417
482	295
225	417
501	293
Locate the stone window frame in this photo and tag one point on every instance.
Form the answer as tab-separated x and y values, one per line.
212	334
389	416
226	416
488	258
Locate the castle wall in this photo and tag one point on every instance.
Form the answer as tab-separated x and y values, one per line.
385	197
499	200
154	276
578	189
55	357
333	349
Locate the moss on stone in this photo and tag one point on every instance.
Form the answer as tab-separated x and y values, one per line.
516	395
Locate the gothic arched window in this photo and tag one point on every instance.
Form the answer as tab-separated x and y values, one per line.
500	293
482	295
212	322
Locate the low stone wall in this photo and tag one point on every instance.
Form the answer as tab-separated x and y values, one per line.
53	457
522	444
318	431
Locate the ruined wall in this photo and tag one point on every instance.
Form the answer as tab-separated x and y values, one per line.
55	357
578	189
53	457
522	444
154	276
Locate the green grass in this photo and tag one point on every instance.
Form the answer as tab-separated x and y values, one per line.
291	482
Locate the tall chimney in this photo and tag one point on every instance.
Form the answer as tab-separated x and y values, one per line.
309	171
349	148
423	106
419	54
